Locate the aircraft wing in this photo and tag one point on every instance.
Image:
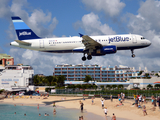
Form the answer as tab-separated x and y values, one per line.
89	42
23	43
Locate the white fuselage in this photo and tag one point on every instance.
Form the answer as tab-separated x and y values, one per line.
74	44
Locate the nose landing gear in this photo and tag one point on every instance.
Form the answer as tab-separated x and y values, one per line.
133	55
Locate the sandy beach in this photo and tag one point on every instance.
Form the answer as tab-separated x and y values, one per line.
127	111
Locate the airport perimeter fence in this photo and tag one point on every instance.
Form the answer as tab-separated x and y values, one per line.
107	93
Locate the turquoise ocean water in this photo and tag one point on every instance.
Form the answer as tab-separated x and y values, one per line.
32	113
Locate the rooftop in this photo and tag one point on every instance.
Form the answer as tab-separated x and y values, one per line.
5	56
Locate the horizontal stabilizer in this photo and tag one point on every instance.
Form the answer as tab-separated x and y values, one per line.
23	43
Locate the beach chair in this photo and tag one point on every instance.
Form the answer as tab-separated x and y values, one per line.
27	97
16	97
22	97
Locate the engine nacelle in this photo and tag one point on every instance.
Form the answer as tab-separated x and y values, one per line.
107	50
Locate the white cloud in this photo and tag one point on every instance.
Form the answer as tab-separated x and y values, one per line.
4	8
110	7
17	8
92	25
37	21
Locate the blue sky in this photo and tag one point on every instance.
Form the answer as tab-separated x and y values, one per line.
57	18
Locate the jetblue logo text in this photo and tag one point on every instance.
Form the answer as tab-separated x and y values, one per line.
24	33
118	39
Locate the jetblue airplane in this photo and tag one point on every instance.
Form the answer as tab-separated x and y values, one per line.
90	45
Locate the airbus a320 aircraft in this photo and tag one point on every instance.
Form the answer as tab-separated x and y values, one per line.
90	45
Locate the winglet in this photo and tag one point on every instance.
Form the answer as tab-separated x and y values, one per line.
80	34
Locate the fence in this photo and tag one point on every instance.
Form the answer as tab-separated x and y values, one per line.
107	93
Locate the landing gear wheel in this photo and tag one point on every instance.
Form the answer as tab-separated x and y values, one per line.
89	57
133	55
83	58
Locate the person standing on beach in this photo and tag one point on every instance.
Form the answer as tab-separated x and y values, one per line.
134	96
92	101
102	101
54	112
113	117
38	106
158	99
105	111
111	97
144	99
144	110
159	103
54	104
82	107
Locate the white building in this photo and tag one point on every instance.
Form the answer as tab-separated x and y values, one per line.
16	77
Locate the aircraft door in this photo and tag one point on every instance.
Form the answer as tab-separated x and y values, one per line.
41	43
134	39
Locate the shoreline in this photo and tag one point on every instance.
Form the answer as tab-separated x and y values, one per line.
127	111
85	114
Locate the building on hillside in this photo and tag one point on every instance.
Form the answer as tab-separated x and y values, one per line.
98	73
16	77
6	60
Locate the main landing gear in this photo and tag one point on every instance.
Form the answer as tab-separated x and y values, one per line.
133	55
89	57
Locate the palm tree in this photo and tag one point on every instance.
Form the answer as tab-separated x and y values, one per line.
149	86
60	80
157	86
114	86
102	87
120	86
37	80
50	80
87	78
108	86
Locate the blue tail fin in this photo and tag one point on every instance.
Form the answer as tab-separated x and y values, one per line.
22	30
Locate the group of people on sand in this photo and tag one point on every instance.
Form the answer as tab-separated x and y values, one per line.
139	100
106	110
45	96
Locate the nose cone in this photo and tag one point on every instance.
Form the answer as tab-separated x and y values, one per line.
149	42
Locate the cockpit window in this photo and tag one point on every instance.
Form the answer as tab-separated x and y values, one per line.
142	38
